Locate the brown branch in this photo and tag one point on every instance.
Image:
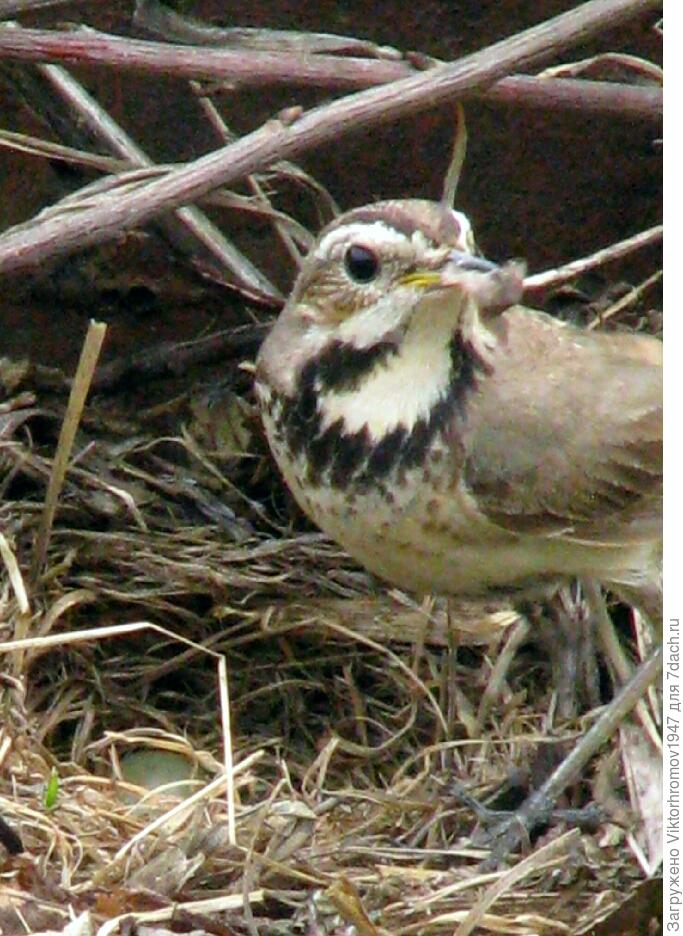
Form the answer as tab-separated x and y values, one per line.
12	7
59	234
177	357
543	799
540	282
157	18
188	228
577	94
249	67
245	66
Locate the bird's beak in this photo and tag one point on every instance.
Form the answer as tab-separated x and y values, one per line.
492	286
458	260
450	271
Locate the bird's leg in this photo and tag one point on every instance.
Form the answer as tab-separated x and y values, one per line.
513	830
565	629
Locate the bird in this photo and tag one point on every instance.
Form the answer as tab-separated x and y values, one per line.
451	439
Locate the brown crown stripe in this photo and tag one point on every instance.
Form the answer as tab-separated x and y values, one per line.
353	459
437	223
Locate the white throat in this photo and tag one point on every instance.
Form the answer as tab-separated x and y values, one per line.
403	388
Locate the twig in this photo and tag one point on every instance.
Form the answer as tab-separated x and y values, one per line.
248	68
27	245
611	65
542	800
631	297
223	198
517	635
450	185
171	357
36	146
161	20
12	7
614	654
553	278
79	392
188	229
254	182
577	94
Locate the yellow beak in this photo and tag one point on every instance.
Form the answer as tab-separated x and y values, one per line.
456	262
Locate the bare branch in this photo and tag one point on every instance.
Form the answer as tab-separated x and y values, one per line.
245	66
577	94
12	7
57	235
188	228
249	67
540	282
161	20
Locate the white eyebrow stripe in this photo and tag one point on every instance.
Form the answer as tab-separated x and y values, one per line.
380	234
371	234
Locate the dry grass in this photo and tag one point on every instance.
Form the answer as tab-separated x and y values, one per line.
352	709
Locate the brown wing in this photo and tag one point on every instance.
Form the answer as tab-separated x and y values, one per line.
565	436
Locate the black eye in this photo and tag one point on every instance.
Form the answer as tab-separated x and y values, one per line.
361	263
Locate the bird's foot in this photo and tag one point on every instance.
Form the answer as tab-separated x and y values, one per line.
503	831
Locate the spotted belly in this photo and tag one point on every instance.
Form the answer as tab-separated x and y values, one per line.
419	528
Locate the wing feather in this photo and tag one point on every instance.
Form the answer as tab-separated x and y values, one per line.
570	444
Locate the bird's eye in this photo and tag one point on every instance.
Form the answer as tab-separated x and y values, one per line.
361	263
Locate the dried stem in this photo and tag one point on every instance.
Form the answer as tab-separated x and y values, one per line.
79	393
35	243
249	67
575	94
159	19
540	282
188	228
570	768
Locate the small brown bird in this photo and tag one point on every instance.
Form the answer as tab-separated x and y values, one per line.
451	440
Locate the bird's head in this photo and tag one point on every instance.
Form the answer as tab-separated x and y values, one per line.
378	272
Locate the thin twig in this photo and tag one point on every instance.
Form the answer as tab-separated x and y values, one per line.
36	146
27	245
577	94
248	67
553	278
615	656
188	228
161	20
542	800
630	298
178	357
516	637
12	7
450	185
254	182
